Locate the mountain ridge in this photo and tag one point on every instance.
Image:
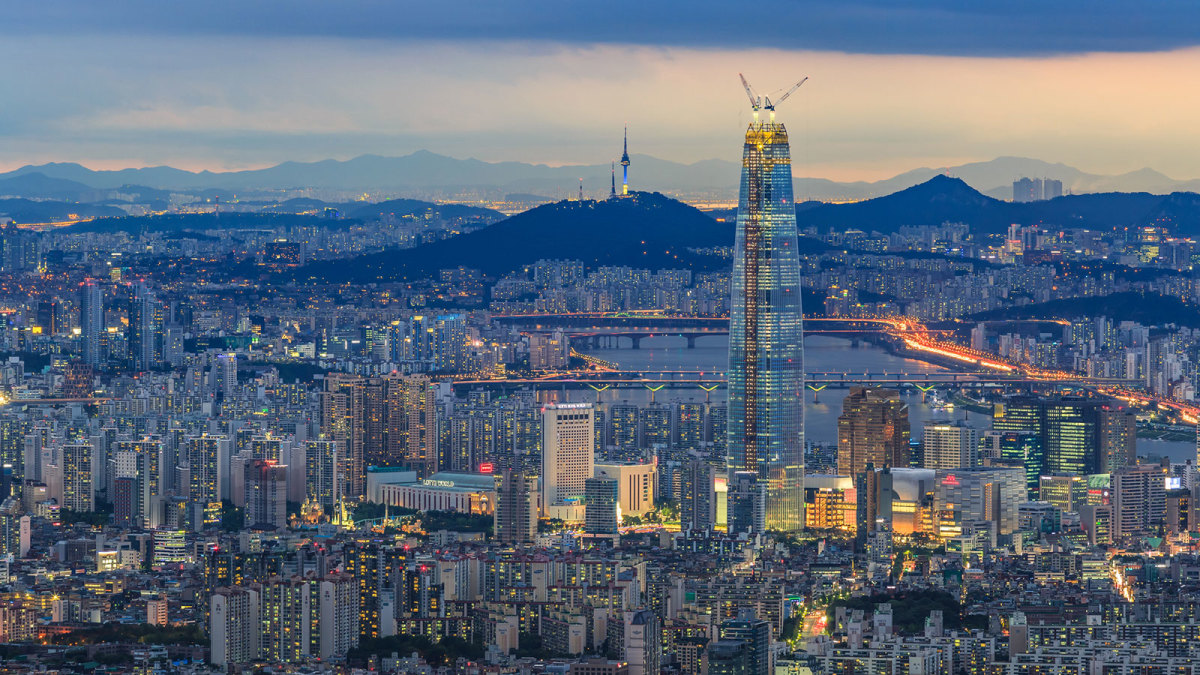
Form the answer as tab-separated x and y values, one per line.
423	171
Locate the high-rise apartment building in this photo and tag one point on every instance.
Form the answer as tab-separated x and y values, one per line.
1138	500
234	632
79	492
91	322
207	459
872	429
766	347
568	458
380	421
697	495
1117	443
147	325
266	494
342	422
516	507
322	480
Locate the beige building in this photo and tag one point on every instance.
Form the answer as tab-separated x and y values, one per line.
637	485
568	458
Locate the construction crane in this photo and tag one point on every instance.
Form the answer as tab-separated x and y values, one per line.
764	102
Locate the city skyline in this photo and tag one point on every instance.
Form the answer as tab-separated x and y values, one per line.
417	414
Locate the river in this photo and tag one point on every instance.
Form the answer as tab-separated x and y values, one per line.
822	353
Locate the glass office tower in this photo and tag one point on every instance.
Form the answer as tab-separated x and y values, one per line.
766	349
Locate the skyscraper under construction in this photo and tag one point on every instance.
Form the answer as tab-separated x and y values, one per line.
766	348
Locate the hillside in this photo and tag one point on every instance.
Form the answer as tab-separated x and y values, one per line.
1150	309
944	199
647	230
400	208
29	211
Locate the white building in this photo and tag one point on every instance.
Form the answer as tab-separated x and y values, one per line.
568	459
233	626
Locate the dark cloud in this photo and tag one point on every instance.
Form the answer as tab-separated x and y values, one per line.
970	27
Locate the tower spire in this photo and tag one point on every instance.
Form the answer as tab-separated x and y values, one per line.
625	164
613	193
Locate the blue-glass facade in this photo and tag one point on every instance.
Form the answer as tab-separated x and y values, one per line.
766	348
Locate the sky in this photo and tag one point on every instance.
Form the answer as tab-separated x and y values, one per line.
1105	86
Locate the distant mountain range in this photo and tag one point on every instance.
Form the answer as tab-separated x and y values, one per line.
428	174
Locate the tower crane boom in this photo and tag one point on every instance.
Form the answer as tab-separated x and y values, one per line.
755	101
789	93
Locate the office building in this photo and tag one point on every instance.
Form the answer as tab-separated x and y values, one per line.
949	445
730	657
765	425
1023	448
1067	492
826	502
872	429
156	612
756	635
77	380
637	483
1078	435
568	458
965	496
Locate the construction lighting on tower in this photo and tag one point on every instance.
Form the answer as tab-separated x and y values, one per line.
764	102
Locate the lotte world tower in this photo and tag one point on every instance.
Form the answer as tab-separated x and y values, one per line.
766	347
